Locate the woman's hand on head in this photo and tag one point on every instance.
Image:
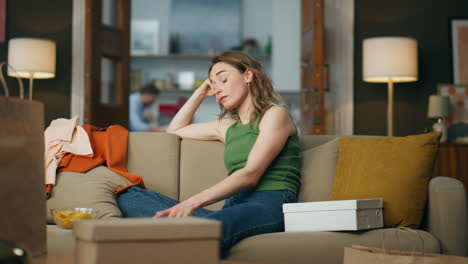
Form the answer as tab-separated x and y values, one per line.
182	209
206	88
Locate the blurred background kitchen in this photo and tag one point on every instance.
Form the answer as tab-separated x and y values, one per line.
173	42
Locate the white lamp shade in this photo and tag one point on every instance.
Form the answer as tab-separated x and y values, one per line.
438	106
31	56
390	59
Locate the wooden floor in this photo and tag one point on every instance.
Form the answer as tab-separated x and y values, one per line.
68	259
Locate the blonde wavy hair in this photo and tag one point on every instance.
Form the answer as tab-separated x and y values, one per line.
260	89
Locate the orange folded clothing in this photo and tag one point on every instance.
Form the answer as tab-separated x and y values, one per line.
109	146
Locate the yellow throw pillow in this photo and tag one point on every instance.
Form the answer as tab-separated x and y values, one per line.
396	169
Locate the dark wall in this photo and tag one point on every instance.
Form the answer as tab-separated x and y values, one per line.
48	19
428	22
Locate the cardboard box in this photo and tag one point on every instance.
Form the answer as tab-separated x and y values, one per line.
147	240
333	215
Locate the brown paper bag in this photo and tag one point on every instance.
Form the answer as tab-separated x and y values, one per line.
365	255
22	199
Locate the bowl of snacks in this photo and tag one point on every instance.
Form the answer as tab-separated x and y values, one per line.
65	217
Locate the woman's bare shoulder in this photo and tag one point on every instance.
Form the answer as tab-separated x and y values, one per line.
279	115
278	109
277	112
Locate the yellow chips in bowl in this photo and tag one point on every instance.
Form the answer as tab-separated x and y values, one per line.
66	216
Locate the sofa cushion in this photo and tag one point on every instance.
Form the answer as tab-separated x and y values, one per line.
155	157
311	141
201	166
326	247
94	188
59	240
396	169
318	171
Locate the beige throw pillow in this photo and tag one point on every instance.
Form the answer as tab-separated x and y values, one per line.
318	171
94	188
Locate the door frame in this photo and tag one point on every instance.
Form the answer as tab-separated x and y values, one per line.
339	56
86	74
78	61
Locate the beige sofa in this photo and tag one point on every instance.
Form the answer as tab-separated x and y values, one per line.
179	168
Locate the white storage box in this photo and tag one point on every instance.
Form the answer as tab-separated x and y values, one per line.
333	215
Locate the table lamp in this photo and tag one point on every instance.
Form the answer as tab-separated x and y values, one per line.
31	58
439	108
390	60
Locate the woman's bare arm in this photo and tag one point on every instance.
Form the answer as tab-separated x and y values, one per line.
275	128
180	124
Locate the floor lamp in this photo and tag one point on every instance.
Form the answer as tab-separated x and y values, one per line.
390	60
32	59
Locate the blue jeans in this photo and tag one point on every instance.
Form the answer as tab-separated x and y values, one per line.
243	215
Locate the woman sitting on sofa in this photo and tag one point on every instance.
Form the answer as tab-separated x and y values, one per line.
261	154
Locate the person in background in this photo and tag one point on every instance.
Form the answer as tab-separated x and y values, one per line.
139	107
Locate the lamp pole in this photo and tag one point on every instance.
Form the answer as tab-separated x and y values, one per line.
31	78
390	108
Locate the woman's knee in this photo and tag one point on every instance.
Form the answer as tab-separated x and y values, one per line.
240	221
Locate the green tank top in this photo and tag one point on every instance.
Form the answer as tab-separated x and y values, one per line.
283	172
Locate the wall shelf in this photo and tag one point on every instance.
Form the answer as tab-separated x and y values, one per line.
189	56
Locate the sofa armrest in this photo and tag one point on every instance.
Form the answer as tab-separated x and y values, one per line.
447	215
